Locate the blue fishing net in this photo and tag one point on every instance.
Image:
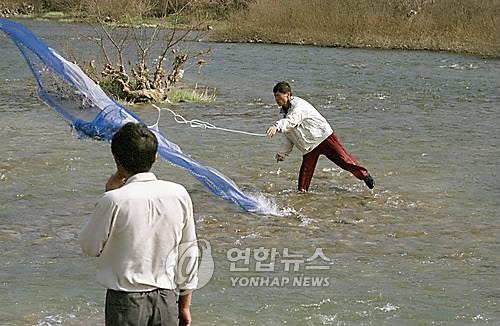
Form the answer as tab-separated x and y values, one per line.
87	108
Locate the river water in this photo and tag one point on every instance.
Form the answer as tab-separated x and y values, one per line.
420	249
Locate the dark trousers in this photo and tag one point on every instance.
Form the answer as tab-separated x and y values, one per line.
157	307
333	149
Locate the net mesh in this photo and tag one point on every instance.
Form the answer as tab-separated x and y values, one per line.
85	106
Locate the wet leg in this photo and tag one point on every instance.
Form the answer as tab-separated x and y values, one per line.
333	149
309	162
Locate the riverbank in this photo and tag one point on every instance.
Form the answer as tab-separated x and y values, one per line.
180	23
463	26
179	14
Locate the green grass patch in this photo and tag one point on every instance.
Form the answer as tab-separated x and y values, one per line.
53	15
193	96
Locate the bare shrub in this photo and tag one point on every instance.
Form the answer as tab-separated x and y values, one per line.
141	64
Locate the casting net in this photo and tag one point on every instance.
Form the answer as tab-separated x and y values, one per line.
92	113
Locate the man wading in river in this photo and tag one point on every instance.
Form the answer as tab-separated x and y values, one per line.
309	131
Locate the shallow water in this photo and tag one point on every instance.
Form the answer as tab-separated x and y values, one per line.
420	249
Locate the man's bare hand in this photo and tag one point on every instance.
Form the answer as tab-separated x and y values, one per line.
271	131
280	157
184	317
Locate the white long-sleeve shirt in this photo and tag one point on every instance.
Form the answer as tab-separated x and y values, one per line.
303	127
141	232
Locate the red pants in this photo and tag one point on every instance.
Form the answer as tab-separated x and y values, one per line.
333	149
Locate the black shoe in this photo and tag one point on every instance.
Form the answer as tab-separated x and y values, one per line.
370	183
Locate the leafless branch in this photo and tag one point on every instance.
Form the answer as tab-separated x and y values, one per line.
119	48
143	49
100	42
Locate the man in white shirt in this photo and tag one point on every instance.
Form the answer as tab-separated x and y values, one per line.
309	131
143	232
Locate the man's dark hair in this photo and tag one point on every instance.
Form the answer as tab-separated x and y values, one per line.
134	146
282	87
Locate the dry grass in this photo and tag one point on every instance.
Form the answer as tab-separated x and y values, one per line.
471	26
212	9
455	25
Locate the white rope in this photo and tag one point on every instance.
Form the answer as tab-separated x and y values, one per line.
199	123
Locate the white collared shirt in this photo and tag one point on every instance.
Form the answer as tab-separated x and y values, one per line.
140	232
303	127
